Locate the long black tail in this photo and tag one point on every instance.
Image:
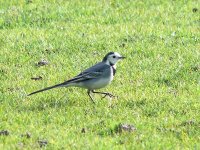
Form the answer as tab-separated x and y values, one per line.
48	88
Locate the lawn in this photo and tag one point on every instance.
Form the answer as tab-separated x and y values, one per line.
157	85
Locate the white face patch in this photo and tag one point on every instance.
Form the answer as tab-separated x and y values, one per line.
117	54
112	59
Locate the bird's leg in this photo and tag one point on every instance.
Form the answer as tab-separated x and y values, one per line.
88	92
104	93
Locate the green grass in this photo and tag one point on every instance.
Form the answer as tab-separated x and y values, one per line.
157	85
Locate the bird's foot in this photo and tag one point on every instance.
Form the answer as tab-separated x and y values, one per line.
108	94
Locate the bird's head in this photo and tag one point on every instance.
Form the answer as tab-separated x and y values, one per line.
112	58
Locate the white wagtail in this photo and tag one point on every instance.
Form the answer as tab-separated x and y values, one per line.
95	77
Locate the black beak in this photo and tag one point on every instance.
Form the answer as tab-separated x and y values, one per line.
122	57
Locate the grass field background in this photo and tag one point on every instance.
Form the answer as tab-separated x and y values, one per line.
157	85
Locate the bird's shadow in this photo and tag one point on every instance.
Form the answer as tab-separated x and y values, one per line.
42	103
49	103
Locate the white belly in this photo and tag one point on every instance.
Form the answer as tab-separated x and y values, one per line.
100	83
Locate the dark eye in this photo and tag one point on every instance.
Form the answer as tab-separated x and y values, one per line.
114	56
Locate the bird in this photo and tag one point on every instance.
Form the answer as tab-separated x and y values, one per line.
93	78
